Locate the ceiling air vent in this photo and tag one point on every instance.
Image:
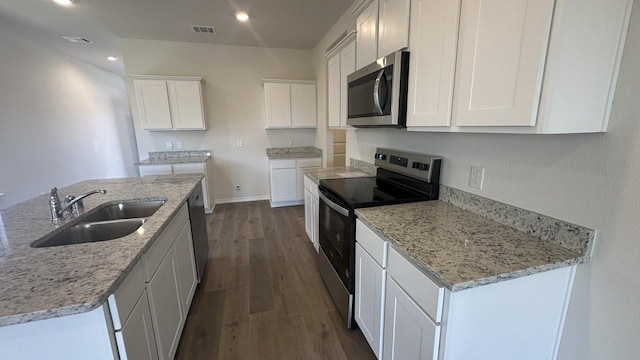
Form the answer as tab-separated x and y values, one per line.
203	29
77	39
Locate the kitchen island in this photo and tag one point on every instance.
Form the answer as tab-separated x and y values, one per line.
47	287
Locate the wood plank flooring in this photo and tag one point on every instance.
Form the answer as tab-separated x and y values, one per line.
262	296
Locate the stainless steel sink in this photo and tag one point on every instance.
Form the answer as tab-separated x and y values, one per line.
92	232
125	210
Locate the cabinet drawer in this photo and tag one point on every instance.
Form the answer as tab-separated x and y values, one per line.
372	243
160	248
311	186
122	302
424	291
282	164
150	170
188	169
315	162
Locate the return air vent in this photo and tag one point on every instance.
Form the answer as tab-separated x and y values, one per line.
77	39
203	29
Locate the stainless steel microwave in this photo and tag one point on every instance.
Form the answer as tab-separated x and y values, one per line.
377	93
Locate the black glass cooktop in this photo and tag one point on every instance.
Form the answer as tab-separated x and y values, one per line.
371	191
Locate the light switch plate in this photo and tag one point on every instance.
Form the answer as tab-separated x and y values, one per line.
178	144
476	177
168	145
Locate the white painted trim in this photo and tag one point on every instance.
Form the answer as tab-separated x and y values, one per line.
167	77
358	9
287	81
341	43
242	199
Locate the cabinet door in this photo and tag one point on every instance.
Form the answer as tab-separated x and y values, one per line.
303	106
136	340
367	36
166	310
315	211
433	41
153	104
408	332
283	185
347	66
334	90
186	266
501	56
393	26
187	109
369	297
150	170
308	214
278	105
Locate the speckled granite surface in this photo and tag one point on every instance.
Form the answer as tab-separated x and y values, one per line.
569	235
461	249
294	152
176	157
363	166
334	173
41	283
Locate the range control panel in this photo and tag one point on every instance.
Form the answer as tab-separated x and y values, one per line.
422	166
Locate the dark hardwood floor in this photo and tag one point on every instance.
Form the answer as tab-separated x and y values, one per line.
262	296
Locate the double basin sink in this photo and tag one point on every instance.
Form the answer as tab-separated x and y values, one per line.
107	222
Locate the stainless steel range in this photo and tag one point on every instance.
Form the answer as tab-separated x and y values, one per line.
401	177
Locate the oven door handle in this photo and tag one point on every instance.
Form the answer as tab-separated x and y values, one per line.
376	92
342	211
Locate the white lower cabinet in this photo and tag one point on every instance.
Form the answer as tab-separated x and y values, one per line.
521	318
186	264
136	339
311	212
286	177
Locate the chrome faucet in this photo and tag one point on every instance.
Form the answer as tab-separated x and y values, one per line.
72	204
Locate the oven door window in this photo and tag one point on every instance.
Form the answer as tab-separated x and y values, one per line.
335	233
366	99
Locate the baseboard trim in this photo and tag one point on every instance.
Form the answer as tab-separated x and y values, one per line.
242	199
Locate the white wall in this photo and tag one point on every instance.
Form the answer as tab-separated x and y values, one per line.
62	121
592	180
324	139
234	101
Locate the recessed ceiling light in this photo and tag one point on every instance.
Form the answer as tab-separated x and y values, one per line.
242	16
112	58
64	2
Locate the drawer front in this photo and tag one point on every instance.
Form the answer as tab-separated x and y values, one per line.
188	169
122	302
151	170
282	164
372	243
160	248
424	291
315	162
311	186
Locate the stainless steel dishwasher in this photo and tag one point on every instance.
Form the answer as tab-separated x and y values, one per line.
199	230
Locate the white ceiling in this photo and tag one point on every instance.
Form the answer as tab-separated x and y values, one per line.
292	24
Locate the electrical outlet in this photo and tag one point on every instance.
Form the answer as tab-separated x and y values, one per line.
239	143
168	145
476	178
237	187
178	144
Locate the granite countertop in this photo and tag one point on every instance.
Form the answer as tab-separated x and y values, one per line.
42	283
294	152
334	173
461	249
176	157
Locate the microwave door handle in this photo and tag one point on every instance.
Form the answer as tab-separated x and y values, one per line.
376	92
342	211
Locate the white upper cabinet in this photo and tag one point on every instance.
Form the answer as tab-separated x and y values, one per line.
367	36
341	61
169	103
432	44
393	26
529	67
290	104
501	57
